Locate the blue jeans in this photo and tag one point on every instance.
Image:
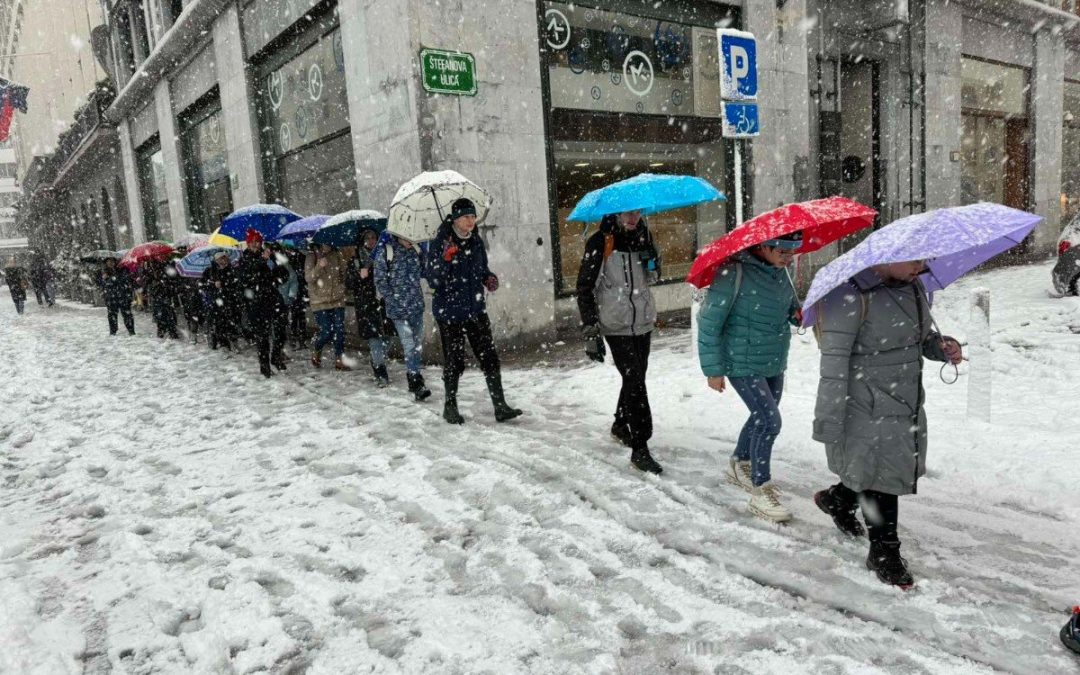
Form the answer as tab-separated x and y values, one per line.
762	396
331	324
411	333
377	348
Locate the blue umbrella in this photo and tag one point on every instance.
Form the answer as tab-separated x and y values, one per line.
300	230
195	263
648	192
344	229
267	219
952	241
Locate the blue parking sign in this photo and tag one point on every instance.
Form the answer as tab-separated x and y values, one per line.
738	65
740	120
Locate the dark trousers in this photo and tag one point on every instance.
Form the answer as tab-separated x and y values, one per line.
880	510
298	326
477	331
631	356
120	308
269	324
165	318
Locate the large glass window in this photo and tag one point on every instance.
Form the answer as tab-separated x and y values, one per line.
305	120
155	201
206	166
634	91
994	145
1070	154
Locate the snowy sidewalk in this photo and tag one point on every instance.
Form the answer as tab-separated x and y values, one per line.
165	509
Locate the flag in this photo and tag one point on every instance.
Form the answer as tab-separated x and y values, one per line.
12	98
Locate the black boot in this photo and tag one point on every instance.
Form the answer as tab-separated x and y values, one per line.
503	411
642	460
843	515
884	559
1070	632
278	360
450	411
382	378
621	433
264	368
417	387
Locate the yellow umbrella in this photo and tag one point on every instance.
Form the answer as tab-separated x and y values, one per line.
218	239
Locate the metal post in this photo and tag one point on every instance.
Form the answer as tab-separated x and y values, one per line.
980	372
738	182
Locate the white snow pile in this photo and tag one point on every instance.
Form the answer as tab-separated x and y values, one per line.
164	509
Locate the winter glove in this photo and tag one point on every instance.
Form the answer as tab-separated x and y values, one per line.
594	344
491	283
450	249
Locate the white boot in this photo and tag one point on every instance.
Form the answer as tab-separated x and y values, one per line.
765	503
738	474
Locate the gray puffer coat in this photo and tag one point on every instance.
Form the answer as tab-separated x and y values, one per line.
869	410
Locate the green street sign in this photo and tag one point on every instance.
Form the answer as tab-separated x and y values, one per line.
448	72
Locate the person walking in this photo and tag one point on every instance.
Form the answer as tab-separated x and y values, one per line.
874	332
744	332
324	270
397	268
298	307
616	305
371	322
457	270
260	278
17	282
221	288
160	284
42	279
117	286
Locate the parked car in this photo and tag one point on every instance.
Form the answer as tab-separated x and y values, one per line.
1066	274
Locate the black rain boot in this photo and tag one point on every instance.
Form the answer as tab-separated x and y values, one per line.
503	411
278	361
621	433
643	461
843	516
1070	632
382	378
450	411
416	385
264	368
884	559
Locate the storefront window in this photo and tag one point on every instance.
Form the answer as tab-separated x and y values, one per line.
994	144
309	158
1070	154
206	167
155	201
635	91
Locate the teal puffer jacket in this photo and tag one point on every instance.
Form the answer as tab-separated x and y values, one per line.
749	334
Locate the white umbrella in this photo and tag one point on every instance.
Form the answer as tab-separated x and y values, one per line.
421	204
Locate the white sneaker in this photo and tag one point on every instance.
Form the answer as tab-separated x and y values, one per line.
765	503
738	474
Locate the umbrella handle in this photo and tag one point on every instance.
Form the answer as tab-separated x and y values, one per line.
801	330
435	198
956	373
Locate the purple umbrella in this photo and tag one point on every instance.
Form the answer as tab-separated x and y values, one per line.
299	230
952	242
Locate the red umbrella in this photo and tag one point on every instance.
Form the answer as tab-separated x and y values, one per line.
822	221
151	250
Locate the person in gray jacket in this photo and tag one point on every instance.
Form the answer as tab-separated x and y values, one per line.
615	302
874	333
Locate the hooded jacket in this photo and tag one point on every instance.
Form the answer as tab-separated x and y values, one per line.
116	285
398	271
613	283
459	282
325	284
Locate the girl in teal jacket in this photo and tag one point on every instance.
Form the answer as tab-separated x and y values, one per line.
744	331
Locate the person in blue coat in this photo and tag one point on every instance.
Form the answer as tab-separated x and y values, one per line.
397	267
744	333
457	270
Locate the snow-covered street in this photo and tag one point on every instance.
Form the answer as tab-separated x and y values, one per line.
164	509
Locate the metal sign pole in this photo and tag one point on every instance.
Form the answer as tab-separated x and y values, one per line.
738	183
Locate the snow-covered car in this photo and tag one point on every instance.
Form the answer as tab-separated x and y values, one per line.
1066	274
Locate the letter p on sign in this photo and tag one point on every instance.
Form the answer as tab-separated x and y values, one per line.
738	65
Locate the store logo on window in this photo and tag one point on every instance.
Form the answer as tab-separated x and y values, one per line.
215	129
638	72
315	82
558	29
285	137
277	89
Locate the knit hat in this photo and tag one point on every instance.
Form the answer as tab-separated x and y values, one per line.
253	236
462	207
